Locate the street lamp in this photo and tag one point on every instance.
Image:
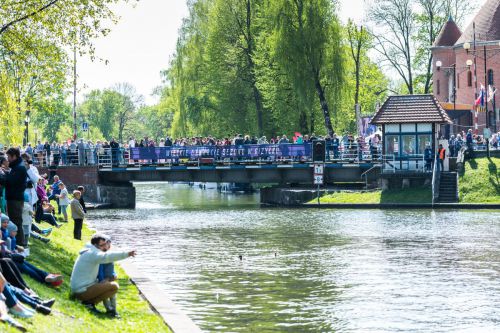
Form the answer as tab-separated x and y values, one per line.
26	124
467	46
469	63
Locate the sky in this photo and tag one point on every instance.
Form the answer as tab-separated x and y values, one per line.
142	43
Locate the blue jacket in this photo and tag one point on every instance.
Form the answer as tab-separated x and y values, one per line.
55	188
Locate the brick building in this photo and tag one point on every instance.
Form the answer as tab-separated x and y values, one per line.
460	63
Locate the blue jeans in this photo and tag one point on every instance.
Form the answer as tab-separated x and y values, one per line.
49	218
32	271
13	295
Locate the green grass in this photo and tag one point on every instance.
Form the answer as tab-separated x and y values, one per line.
416	195
70	315
480	182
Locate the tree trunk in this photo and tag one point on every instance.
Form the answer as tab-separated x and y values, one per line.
259	108
324	104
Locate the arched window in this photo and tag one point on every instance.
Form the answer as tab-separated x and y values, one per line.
438	87
490	77
458	80
469	79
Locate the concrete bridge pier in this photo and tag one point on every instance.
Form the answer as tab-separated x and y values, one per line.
97	188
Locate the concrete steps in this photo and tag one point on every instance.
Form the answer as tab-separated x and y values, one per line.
448	187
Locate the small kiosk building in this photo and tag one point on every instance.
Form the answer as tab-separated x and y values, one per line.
410	123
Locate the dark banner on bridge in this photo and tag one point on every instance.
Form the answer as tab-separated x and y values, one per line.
221	152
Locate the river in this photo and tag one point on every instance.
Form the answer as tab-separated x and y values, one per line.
306	270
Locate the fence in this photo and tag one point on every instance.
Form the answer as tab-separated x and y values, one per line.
268	153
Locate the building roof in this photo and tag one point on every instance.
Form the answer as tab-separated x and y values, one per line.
450	33
411	109
487	24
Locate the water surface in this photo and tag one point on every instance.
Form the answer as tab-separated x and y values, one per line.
313	270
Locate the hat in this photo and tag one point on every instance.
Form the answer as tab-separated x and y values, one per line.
4	218
11	227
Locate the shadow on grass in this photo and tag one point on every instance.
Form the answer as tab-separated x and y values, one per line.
473	163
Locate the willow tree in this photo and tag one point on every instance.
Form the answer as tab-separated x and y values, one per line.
308	43
232	48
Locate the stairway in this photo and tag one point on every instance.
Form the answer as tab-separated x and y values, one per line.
448	187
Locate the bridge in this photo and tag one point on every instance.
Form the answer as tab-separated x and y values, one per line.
108	174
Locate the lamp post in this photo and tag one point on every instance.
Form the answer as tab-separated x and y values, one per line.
453	67
26	126
467	47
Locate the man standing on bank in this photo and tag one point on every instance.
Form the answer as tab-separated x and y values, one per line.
84	283
14	180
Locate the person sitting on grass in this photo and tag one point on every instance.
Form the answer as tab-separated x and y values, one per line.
39	234
107	273
14	297
9	250
63	198
84	283
10	271
78	214
4	313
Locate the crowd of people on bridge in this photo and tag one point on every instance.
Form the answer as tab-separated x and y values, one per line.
25	204
345	146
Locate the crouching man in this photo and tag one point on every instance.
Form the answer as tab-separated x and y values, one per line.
84	283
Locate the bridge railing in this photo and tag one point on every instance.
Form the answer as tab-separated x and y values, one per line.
200	155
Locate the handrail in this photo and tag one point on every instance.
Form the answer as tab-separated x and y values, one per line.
365	174
436	178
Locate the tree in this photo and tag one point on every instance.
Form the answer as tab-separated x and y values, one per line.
395	20
129	102
308	40
34	36
405	30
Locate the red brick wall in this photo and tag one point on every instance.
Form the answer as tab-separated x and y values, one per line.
76	175
466	94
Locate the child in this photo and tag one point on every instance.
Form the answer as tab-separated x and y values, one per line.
11	238
63	200
77	214
107	272
27	220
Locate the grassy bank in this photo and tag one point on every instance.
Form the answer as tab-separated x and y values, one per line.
418	195
69	315
480	182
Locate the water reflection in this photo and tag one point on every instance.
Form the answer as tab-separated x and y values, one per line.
313	271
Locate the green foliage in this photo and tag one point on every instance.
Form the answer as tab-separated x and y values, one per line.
260	66
111	111
34	38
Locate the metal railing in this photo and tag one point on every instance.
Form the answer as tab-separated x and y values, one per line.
395	163
203	155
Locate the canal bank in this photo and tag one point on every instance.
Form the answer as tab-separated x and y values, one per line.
69	315
475	186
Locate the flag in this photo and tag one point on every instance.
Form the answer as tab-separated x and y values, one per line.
480	98
491	93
